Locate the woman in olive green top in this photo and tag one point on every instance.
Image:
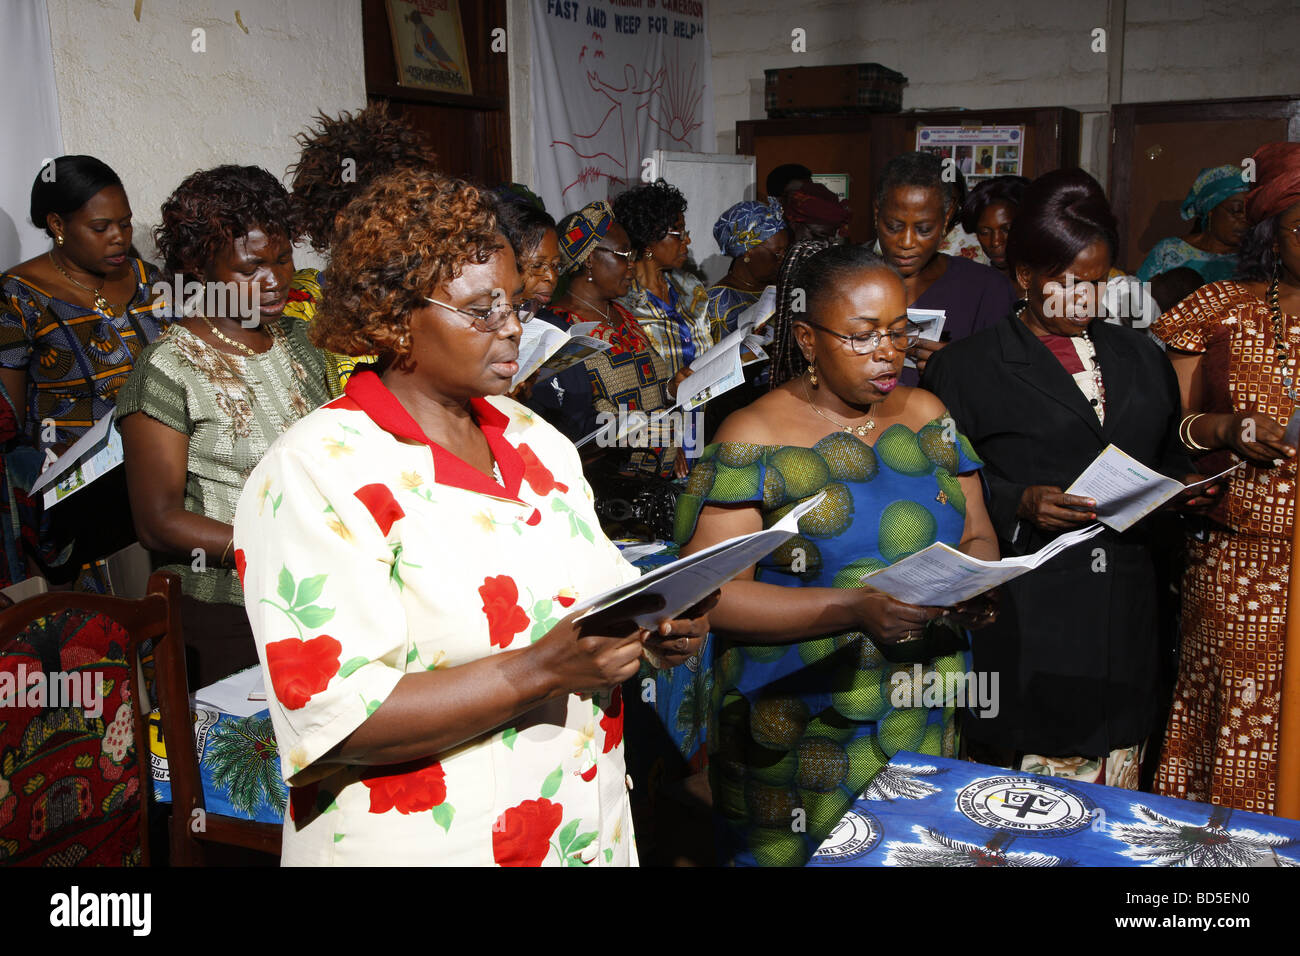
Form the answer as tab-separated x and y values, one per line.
206	400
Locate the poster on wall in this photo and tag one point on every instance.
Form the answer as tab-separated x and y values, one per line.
611	83
429	45
979	152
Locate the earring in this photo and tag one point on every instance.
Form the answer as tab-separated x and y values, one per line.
746	257
58	241
812	374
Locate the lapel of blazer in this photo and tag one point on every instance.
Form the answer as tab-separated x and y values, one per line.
1035	364
1116	375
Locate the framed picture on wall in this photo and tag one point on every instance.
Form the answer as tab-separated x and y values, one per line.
429	45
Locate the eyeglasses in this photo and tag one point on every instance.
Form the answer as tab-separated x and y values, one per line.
678	235
626	256
488	320
864	343
541	267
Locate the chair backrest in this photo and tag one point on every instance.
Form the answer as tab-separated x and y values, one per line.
74	771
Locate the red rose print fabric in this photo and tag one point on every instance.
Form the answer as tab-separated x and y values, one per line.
300	669
404	790
381	504
612	720
501	605
522	835
537	475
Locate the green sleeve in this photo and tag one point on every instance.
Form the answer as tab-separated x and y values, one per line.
155	388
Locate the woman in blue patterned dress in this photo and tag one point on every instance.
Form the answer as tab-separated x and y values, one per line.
804	703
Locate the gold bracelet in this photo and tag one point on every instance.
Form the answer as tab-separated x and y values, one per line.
229	545
1188	441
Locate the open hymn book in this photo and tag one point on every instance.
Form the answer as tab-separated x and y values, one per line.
546	350
689	580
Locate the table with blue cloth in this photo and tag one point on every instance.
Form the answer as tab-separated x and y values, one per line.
929	811
238	765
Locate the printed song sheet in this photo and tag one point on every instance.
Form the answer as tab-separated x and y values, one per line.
940	576
1126	491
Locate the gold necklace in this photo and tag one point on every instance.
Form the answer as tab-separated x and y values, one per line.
590	304
229	341
861	430
101	304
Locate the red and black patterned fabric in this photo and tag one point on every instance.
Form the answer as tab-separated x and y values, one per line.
69	770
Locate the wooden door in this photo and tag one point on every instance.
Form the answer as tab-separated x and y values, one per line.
1158	148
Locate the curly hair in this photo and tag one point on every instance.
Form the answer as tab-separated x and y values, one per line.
341	156
213	208
411	230
523	224
647	212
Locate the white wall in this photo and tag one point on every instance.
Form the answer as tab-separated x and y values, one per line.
138	96
1011	53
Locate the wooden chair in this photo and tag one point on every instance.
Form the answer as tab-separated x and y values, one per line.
192	826
74	785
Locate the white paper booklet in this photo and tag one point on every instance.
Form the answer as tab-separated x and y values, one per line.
931	323
940	576
94	454
546	350
242	694
687	581
1126	491
718	370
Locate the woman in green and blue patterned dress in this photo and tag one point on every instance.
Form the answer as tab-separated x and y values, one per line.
804	699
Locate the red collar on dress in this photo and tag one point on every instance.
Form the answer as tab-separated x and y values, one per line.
371	396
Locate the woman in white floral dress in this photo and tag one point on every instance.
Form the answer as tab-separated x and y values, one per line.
408	552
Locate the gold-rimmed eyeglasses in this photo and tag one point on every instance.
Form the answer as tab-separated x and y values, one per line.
864	343
488	320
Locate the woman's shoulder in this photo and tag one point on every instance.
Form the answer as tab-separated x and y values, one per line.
760	422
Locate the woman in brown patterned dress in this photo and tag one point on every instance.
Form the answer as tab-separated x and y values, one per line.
1235	346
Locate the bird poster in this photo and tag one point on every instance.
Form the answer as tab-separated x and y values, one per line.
429	45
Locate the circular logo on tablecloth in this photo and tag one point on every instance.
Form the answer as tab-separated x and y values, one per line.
1024	805
856	835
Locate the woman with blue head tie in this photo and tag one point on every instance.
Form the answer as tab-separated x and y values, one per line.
1216	205
755	236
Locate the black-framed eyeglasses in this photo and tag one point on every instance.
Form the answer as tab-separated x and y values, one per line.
488	320
864	343
626	256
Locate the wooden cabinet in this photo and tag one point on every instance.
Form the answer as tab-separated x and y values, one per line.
1158	148
862	145
470	133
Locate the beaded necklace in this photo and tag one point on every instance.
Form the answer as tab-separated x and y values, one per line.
1283	349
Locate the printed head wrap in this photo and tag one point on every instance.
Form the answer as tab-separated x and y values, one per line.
1277	181
746	225
580	231
1212	186
815	204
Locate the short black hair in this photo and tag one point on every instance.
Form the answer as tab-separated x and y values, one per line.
1061	213
648	211
522	223
783	176
72	182
1007	189
1171	287
923	170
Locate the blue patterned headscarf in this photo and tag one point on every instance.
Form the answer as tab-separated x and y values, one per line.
746	225
580	231
1213	185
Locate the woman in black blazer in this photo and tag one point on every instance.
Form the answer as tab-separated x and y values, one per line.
1040	395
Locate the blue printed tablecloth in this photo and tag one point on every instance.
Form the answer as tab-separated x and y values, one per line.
928	811
238	764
